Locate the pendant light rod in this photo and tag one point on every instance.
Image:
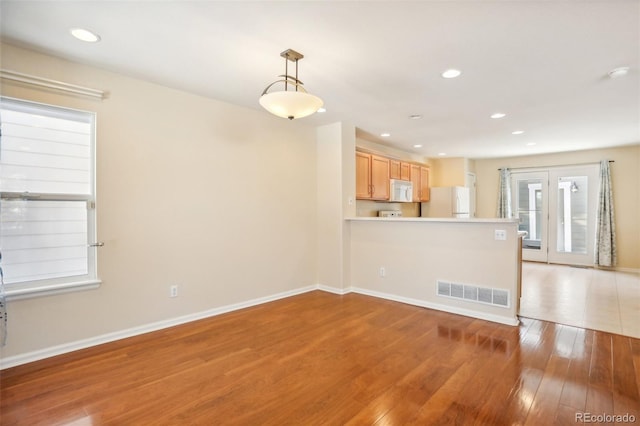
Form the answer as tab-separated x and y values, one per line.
296	74
286	72
293	56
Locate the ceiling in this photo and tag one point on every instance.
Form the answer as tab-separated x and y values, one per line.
374	63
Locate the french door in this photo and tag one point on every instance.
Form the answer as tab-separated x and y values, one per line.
557	209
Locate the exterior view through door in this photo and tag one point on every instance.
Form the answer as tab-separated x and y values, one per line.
557	209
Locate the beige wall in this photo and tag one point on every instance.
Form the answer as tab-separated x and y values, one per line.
625	175
218	199
335	201
416	253
449	171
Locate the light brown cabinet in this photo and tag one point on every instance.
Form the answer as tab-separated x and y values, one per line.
372	177
399	170
420	180
363	176
374	171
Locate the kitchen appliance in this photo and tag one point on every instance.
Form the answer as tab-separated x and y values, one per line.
447	201
401	191
389	213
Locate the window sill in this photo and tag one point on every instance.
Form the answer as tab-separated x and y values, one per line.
32	291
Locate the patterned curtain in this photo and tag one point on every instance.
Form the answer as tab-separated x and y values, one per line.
504	194
605	247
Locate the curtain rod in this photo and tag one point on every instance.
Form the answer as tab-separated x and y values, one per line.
559	165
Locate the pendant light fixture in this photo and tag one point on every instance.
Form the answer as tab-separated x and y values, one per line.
293	101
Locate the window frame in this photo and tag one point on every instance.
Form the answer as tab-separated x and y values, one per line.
50	286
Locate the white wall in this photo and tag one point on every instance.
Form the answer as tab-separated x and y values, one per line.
218	199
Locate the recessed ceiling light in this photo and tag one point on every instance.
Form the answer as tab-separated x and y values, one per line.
618	72
442	154
451	73
517	132
531	144
415	116
322	110
385	135
498	115
85	35
417	146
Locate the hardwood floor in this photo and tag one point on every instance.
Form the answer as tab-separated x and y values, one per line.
582	297
324	359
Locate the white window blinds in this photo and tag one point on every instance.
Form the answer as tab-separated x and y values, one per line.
45	150
47	186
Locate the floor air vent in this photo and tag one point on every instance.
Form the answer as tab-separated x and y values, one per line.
472	293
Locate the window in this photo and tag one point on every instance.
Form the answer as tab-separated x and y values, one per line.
47	184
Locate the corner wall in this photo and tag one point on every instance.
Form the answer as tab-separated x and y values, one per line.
336	201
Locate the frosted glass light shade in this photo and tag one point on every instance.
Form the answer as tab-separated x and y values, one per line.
290	104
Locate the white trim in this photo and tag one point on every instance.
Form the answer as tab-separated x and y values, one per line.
16	360
46	83
439	307
334	290
28	292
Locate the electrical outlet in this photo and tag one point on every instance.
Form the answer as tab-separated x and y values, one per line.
382	272
500	234
173	291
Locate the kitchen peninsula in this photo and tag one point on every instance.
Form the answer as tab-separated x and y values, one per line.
469	267
464	266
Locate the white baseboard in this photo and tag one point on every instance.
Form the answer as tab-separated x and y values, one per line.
16	360
334	290
438	307
13	361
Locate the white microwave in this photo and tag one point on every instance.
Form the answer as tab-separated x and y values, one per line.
401	191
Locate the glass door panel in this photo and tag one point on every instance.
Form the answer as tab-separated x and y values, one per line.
572	214
571	220
529	192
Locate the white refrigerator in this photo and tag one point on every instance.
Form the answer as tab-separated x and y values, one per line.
447	201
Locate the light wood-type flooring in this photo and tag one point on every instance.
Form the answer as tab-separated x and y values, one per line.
582	297
324	359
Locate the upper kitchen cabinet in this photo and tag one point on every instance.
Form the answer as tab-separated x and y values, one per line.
420	180
363	175
372	177
399	170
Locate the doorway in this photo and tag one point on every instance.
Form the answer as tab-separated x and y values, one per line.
557	209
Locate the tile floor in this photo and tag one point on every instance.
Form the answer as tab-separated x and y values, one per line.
582	297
